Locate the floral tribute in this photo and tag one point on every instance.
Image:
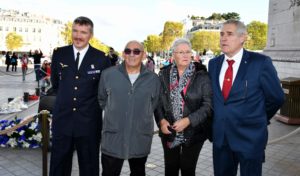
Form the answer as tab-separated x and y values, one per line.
27	136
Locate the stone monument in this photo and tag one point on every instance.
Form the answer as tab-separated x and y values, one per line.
283	44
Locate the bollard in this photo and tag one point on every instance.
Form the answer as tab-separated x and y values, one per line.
44	114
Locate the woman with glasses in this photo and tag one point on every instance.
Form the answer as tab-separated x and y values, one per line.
184	112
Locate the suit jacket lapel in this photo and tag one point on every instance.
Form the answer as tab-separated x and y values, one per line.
241	73
70	58
219	64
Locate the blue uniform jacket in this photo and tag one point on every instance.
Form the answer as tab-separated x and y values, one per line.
76	111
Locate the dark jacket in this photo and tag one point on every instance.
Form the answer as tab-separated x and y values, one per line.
76	110
197	107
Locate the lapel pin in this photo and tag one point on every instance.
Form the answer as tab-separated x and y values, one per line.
245	62
92	66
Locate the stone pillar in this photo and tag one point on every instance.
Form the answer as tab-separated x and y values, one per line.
283	44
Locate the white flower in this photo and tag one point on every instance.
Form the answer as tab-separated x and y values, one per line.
21	132
37	137
12	142
25	145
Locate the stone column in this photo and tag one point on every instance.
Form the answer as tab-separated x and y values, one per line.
283	44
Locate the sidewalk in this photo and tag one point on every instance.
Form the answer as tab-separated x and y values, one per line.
282	158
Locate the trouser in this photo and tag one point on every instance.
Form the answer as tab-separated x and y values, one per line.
226	162
14	67
112	166
62	149
37	71
181	158
24	71
7	67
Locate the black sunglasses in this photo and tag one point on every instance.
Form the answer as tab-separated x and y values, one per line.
134	51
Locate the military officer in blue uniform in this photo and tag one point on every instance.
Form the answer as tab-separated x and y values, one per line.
77	120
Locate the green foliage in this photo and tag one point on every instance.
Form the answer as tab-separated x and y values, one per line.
172	30
67	33
153	43
257	35
215	16
231	15
14	41
205	40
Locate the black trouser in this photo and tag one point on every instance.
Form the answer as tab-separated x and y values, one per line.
87	148
112	166
181	158
7	67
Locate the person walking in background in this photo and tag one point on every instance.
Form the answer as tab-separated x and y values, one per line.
247	94
7	60
77	120
114	58
184	112
128	93
14	62
150	65
38	54
24	62
45	74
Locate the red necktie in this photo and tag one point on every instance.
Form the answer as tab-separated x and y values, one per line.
227	83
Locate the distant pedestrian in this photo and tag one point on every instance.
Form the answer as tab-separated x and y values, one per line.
150	65
7	61
24	62
38	54
14	62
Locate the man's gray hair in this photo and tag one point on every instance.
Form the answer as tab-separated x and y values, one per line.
179	42
240	26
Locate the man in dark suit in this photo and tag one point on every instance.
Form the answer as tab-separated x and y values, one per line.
247	93
77	120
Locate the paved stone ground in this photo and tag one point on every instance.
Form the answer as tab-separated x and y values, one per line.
282	158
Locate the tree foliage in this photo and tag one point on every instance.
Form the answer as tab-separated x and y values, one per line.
67	33
172	30
231	15
206	40
224	16
153	43
257	35
14	41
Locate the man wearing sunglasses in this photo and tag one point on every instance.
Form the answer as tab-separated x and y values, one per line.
128	93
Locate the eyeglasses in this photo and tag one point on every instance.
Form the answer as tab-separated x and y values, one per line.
135	51
183	53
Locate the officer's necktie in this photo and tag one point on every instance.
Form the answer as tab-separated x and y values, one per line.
227	83
77	60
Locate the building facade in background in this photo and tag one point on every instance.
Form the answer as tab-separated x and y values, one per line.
37	31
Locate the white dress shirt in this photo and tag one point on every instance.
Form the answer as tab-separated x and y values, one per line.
237	60
82	54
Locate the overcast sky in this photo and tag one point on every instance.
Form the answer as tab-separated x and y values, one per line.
118	21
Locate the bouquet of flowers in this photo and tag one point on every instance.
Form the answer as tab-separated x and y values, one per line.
27	136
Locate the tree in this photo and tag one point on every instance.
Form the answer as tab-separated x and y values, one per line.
67	33
205	40
153	43
257	32
231	15
14	41
171	31
215	16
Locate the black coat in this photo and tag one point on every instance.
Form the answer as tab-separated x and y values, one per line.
76	111
197	107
